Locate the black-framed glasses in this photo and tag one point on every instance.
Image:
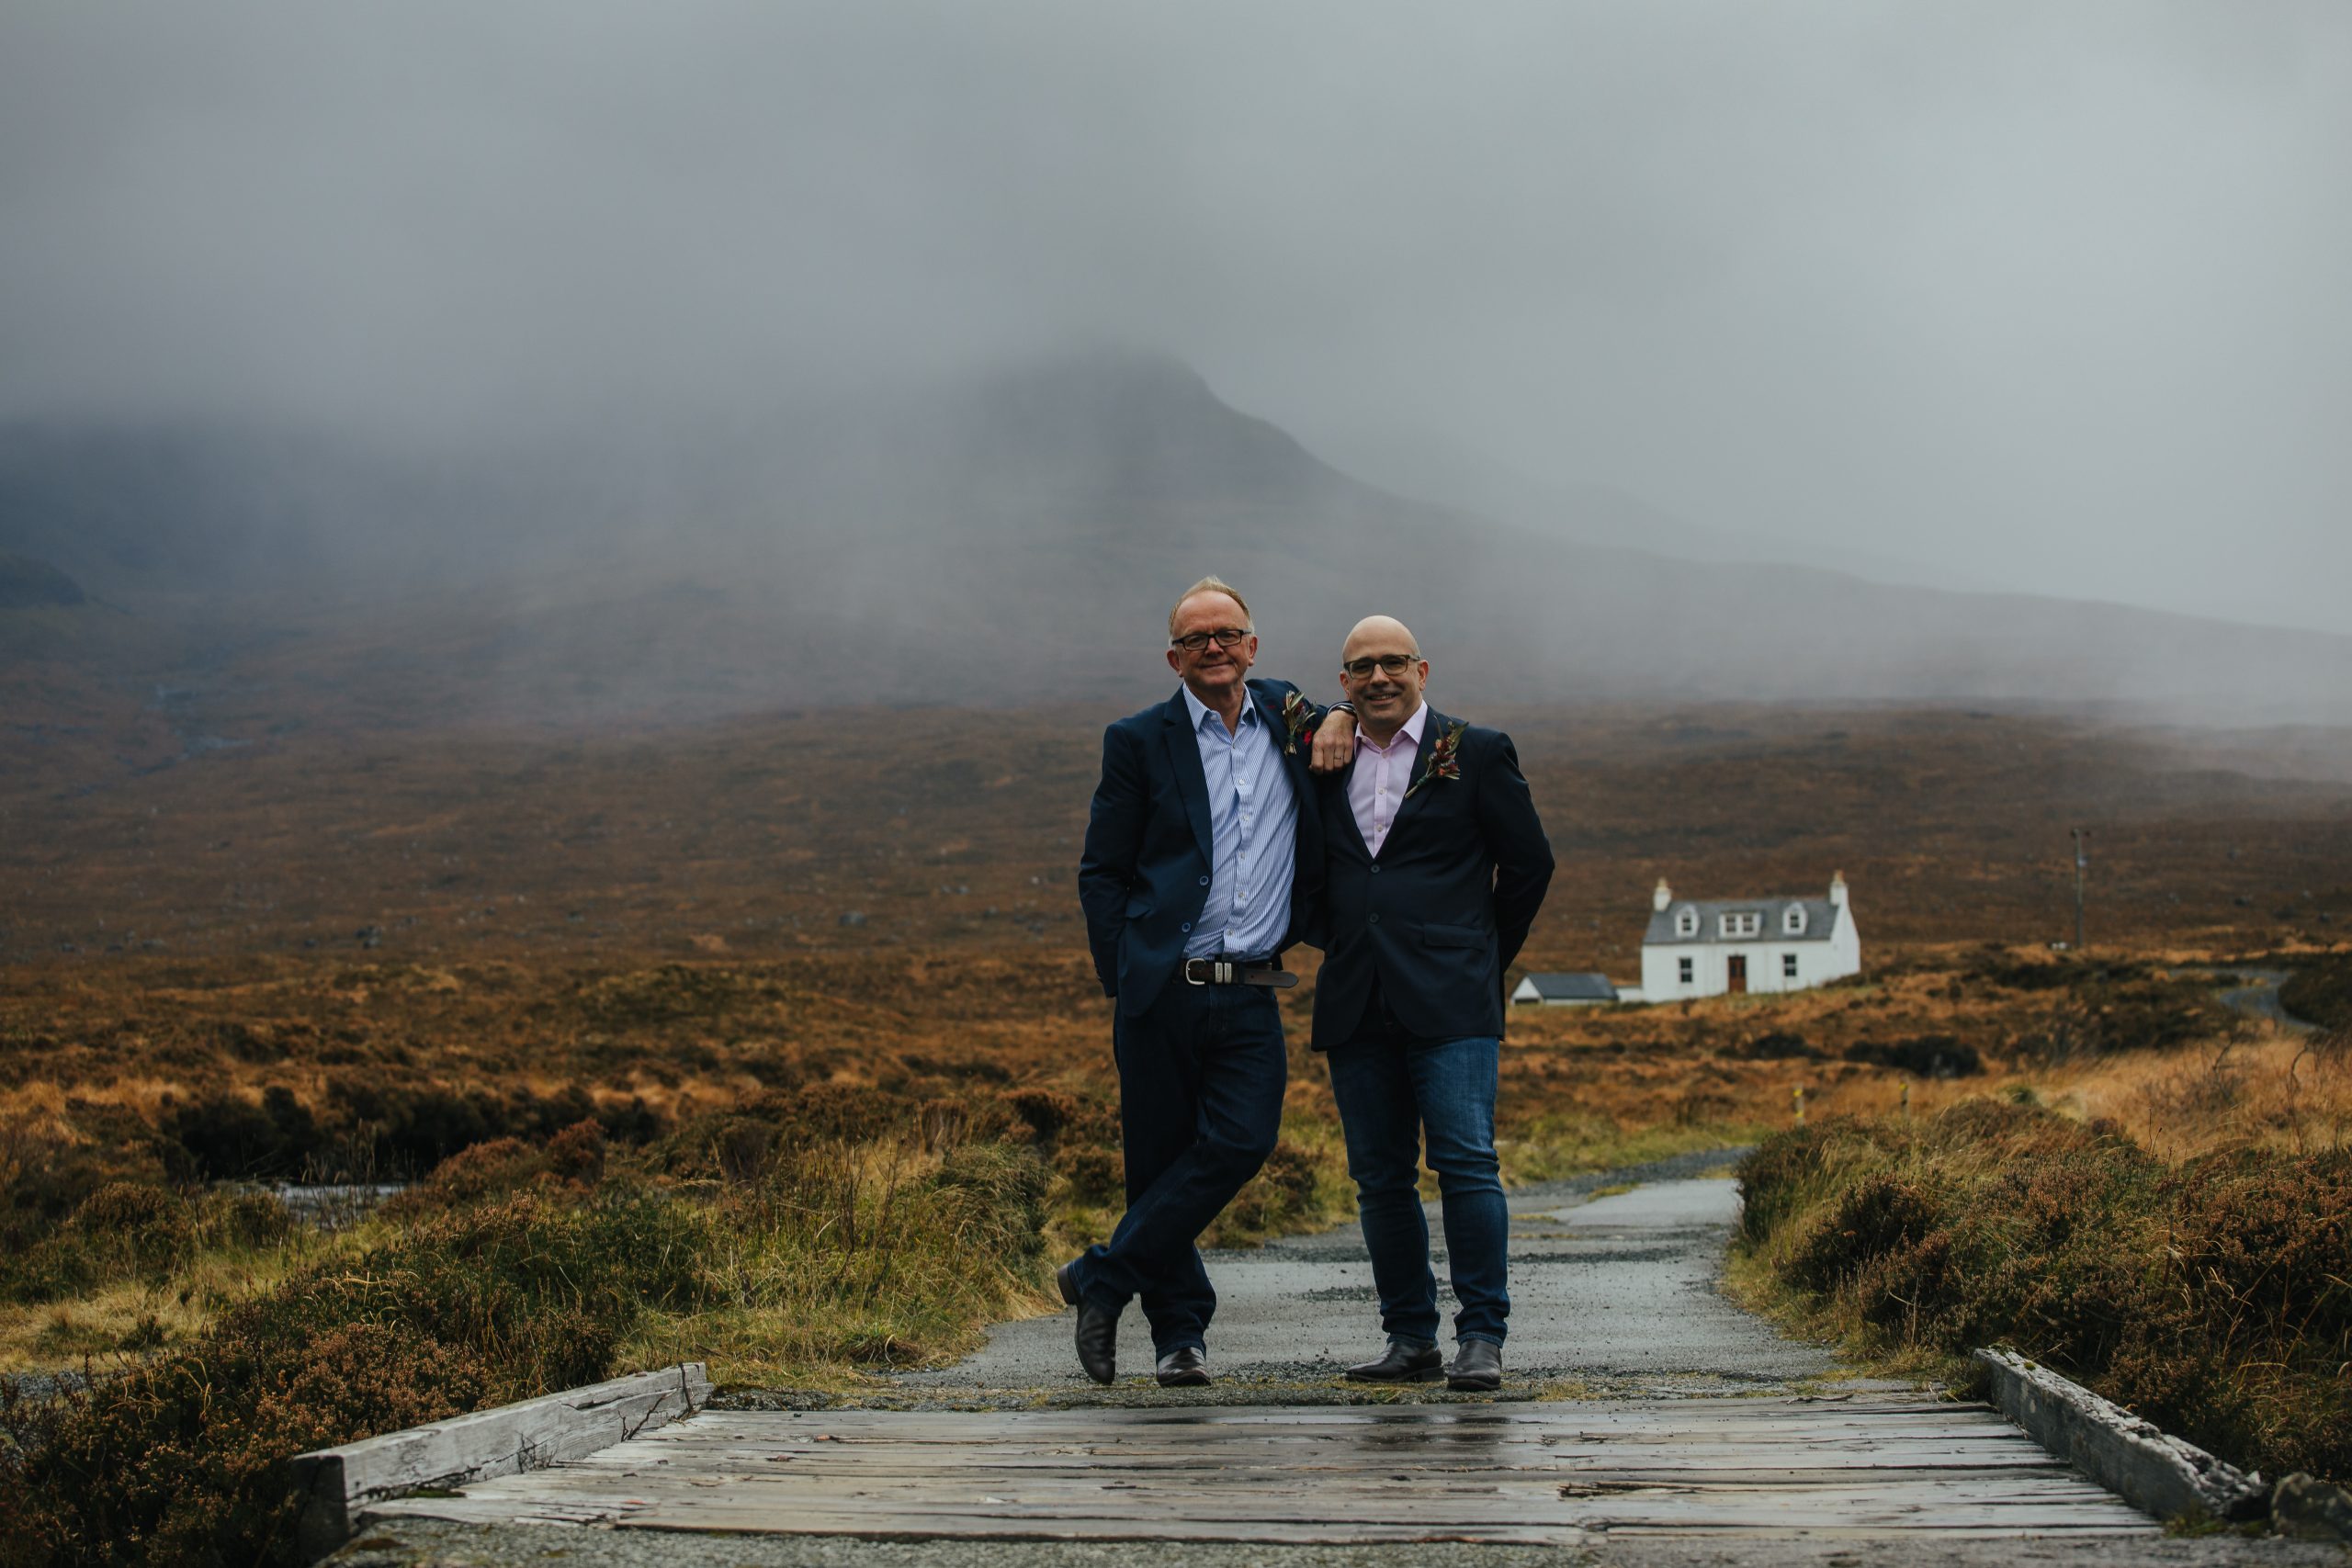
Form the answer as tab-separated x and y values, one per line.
1224	637
1391	664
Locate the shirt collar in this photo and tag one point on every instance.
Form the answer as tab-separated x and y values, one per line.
1409	732
1202	712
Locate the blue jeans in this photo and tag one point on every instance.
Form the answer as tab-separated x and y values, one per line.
1388	1096
1201	1079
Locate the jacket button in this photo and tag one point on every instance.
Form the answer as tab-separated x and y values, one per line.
1204	882
1375	920
1188	925
1375	871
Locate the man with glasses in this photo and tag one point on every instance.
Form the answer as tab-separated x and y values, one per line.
1203	855
1435	864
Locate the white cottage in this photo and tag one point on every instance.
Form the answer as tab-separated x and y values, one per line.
1706	948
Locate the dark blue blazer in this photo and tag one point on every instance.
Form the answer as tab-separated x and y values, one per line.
1142	876
1447	904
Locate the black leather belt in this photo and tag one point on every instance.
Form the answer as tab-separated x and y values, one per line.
1225	970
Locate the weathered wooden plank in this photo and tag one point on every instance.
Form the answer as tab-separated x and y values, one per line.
510	1438
1554	1473
2155	1470
1339	1501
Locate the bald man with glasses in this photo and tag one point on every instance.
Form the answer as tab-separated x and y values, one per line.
1204	856
1435	864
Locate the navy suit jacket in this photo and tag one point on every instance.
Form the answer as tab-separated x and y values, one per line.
1142	876
1446	905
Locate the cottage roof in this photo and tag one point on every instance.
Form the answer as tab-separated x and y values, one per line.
1820	919
1573	987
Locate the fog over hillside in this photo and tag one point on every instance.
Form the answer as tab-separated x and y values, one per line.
2004	295
1012	536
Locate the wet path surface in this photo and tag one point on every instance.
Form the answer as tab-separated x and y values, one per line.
2257	997
1617	1292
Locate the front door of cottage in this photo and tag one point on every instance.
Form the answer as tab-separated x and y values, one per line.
1739	973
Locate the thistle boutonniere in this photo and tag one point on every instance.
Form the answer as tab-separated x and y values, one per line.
1299	722
1445	757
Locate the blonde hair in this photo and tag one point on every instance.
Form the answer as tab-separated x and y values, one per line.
1211	585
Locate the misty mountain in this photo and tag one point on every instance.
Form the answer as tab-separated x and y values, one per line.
25	585
1011	538
1419	463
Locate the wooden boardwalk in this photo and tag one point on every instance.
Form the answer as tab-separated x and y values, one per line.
1534	1474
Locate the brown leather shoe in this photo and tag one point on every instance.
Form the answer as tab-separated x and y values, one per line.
1407	1361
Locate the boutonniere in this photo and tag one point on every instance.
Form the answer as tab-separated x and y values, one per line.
1299	722
1445	757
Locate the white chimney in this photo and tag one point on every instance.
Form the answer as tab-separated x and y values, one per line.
1837	888
1662	898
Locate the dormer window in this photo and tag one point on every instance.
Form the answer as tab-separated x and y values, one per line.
1747	923
1793	923
1686	923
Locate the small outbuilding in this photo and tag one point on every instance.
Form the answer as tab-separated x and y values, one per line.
1566	990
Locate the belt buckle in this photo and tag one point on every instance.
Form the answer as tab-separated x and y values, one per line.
1221	972
1190	978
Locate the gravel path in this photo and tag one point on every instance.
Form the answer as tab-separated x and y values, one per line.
1614	1294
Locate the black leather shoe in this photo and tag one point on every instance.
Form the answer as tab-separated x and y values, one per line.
1098	1329
1407	1360
1187	1366
1478	1368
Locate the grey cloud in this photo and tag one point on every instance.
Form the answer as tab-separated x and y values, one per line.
2048	297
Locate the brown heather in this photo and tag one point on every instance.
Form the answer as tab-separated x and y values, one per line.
604	1003
2207	1293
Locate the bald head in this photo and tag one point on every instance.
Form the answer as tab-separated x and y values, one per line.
1382	669
1389	633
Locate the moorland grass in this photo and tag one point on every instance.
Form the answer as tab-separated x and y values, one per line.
2209	1295
796	1173
514	1270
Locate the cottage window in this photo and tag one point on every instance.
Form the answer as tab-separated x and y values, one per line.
1793	923
1686	924
1683	966
1748	923
1788	966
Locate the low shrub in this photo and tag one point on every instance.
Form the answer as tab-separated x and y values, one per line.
2211	1297
183	1460
1922	1056
1778	1045
2319	990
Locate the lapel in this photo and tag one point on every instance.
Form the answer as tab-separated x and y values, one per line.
1192	781
1433	724
1293	760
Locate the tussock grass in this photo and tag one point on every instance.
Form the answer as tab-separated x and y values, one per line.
2207	1292
513	1271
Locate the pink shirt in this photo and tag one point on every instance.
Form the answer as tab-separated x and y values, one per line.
1383	773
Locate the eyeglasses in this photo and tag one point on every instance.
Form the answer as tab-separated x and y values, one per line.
1387	664
1224	637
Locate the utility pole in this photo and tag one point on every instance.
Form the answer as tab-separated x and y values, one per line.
2082	863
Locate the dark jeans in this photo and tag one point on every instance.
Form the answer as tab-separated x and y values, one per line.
1388	1094
1200	1080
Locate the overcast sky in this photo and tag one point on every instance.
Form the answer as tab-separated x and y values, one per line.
2055	295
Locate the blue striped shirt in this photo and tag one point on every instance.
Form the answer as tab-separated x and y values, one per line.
1253	835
